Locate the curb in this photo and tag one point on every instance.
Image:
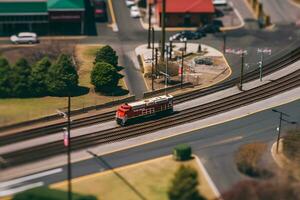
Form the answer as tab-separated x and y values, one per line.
208	178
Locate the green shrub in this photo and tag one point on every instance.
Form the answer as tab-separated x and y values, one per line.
44	193
184	185
105	77
182	152
108	55
5	75
39	75
20	79
63	78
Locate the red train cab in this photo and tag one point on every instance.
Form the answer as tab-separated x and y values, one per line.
144	108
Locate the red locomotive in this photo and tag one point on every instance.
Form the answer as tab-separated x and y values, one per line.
144	108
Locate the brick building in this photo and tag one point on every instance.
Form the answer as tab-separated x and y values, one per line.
184	13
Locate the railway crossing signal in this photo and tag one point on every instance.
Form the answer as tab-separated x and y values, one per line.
260	63
241	52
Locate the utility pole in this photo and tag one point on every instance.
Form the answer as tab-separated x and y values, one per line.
242	72
149	24
156	60
182	61
171	48
167	65
281	114
69	151
152	66
224	42
163	26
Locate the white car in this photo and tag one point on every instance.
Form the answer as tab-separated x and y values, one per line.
130	2
135	12
220	2
24	38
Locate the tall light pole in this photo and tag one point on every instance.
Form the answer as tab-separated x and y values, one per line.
163	26
67	143
182	61
260	63
149	24
281	114
152	66
224	42
69	150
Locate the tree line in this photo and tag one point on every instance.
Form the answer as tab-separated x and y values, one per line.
59	78
43	78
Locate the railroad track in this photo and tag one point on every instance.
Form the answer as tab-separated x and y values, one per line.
104	117
188	115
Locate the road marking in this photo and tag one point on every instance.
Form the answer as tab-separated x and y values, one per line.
114	24
30	177
207	177
20	189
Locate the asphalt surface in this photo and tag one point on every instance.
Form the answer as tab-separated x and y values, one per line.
215	146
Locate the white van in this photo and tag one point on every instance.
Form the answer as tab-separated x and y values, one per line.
24	38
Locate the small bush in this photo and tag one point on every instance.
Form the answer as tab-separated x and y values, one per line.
182	152
44	193
108	55
248	159
184	185
105	77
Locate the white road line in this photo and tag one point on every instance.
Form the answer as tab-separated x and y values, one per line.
20	189
209	180
30	177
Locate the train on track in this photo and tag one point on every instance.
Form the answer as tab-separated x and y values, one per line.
144	108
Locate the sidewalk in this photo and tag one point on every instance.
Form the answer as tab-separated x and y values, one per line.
277	100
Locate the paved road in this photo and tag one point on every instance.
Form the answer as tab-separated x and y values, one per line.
281	12
215	146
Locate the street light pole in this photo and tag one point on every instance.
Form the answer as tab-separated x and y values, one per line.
279	132
156	60
242	72
69	150
279	127
167	63
163	26
182	61
149	24
224	42
261	66
152	66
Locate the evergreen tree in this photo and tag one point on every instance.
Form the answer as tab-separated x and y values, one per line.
63	78
20	78
184	185
39	75
105	77
5	74
108	55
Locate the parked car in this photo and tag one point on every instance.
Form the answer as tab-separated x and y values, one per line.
210	28
135	12
100	10
130	2
220	2
24	38
189	35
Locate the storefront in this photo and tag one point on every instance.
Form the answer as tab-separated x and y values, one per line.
42	16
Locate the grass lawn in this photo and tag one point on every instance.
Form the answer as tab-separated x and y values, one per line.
15	110
151	179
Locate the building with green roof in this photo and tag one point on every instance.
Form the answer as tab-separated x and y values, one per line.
42	16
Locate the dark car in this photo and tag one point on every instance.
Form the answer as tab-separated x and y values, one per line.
100	10
210	28
189	35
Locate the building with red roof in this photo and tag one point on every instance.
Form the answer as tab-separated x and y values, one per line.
184	13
